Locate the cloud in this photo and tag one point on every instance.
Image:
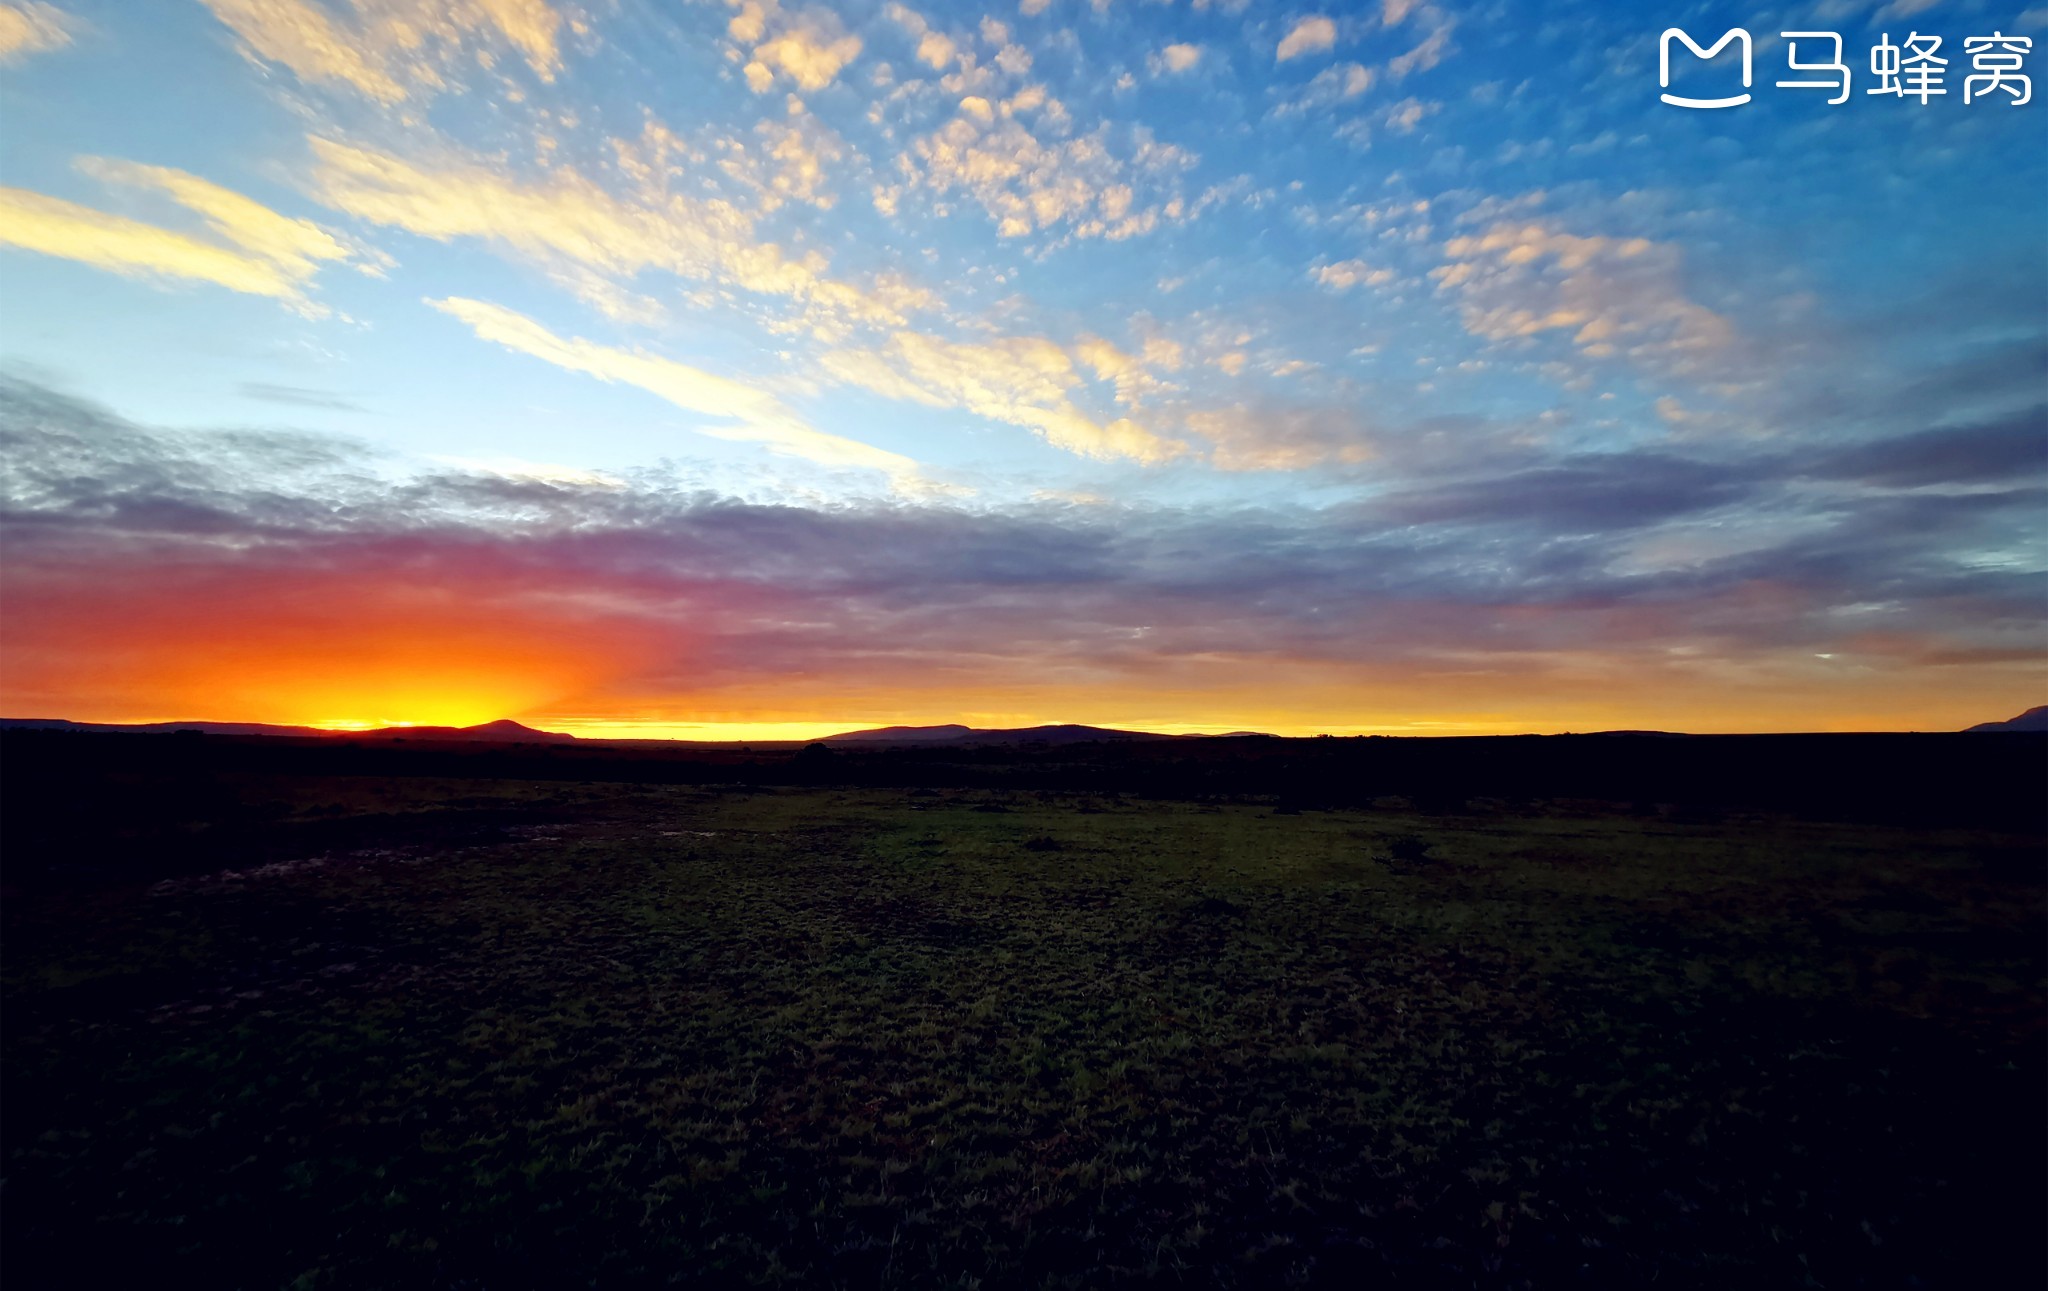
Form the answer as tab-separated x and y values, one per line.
935	49
1306	36
392	49
1346	274
1615	297
1405	116
791	162
252	249
1131	374
757	416
1339	83
33	28
1176	59
2013	448
1580	494
262	571
595	239
296	396
1024	381
1249	437
810	48
1435	45
1079	186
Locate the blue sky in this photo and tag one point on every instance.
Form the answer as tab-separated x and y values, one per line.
1440	288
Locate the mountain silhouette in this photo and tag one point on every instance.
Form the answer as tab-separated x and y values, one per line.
504	730
954	733
2034	719
157	728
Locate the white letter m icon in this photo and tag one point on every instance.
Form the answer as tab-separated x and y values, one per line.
1664	66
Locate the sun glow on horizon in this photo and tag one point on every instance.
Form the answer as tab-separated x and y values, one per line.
760	371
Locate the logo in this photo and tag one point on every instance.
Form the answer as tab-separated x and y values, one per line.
1914	70
1707	54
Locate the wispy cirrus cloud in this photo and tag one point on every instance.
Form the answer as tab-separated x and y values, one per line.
390	50
1023	381
248	247
297	396
598	237
744	412
33	27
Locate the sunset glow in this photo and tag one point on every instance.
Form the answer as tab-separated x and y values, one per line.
754	371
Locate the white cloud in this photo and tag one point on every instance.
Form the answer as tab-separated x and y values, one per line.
753	414
1346	274
1338	83
1435	45
1405	116
1029	184
1308	36
1176	58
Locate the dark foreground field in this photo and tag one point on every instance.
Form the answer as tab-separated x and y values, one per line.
287	1029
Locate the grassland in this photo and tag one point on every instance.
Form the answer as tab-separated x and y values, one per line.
509	1034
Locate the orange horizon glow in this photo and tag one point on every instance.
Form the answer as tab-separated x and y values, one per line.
729	725
377	643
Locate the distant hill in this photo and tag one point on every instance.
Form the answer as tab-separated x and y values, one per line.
953	733
503	730
156	728
2034	719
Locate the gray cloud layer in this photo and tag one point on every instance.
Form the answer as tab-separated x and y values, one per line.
1925	547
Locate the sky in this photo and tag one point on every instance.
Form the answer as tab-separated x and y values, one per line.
762	370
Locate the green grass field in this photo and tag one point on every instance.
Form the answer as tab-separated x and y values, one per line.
822	1038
